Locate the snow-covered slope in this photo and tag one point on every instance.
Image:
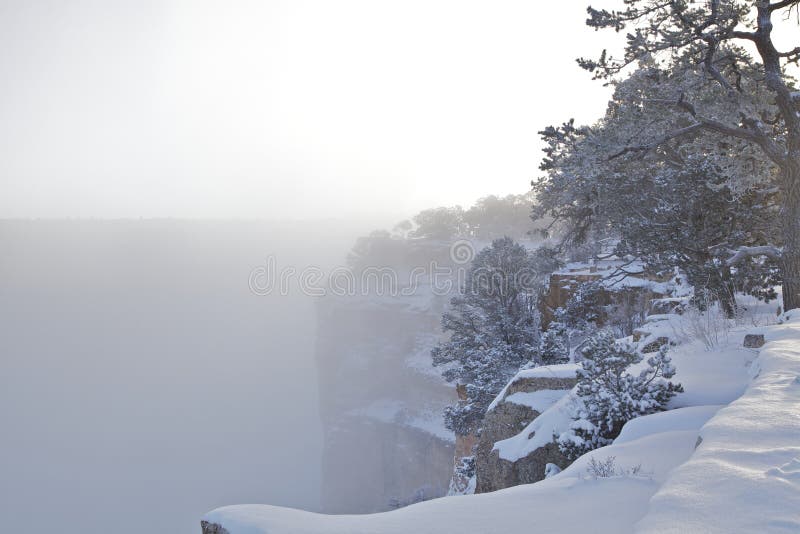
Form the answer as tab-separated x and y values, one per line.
545	505
745	474
742	476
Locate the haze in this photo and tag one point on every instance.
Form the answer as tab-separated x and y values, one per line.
153	153
279	109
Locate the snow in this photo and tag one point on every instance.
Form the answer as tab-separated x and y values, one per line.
742	475
745	475
711	376
673	420
565	370
538	432
512	510
432	422
615	273
537	400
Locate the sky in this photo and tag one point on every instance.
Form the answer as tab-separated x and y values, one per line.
281	109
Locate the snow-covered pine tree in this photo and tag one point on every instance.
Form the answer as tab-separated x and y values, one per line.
493	325
608	395
690	204
554	345
585	307
685	35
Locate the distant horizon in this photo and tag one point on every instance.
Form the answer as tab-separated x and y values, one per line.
356	218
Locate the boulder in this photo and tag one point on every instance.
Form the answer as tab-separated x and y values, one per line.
754	341
639	334
498	473
656	344
511	412
665	306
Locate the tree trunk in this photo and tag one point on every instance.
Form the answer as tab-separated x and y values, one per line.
727	296
790	259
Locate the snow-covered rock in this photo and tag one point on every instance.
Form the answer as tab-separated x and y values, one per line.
530	393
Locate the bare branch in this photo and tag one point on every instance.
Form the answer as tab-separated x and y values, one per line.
752	133
660	141
767	144
782	4
750	36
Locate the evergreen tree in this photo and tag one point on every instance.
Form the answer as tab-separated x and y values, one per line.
608	395
685	35
493	326
554	345
692	204
585	307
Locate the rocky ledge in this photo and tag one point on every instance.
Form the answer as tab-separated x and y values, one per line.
525	397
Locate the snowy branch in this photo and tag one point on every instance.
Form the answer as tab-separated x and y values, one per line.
656	143
749	252
751	134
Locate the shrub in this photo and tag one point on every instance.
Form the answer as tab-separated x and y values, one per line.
609	396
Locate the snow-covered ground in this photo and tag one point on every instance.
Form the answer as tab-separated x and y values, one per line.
725	459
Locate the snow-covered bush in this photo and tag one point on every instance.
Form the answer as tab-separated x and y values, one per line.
608	395
602	469
463	479
554	345
708	323
608	468
551	470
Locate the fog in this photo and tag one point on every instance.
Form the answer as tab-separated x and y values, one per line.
280	109
144	149
143	384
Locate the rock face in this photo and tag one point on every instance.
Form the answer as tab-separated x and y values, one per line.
461	483
212	528
523	399
381	401
625	292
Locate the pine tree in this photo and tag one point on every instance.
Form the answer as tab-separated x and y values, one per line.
554	345
691	205
608	396
710	34
493	326
586	306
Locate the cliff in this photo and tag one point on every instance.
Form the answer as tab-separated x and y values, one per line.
722	459
381	401
529	394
